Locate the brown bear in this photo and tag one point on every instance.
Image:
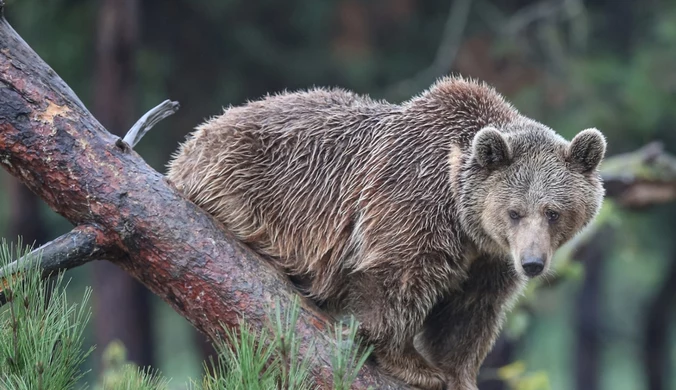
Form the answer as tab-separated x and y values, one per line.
423	219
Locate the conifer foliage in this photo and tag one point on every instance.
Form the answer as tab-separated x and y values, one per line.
41	333
42	344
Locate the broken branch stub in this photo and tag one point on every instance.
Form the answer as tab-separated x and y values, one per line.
148	120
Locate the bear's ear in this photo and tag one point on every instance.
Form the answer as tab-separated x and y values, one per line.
490	149
586	150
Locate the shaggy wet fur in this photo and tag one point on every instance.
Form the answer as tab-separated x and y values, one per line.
396	213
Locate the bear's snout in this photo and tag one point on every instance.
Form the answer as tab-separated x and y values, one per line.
533	265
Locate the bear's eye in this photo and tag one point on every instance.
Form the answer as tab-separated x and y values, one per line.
552	215
514	215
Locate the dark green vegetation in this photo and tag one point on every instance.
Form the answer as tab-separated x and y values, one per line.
607	64
41	345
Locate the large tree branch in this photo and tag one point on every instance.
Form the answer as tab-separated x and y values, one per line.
52	143
642	178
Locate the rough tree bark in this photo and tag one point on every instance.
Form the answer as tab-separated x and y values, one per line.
121	304
51	142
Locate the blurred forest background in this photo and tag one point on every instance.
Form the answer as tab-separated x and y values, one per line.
608	323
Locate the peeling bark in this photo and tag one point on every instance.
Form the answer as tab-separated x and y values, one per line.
52	143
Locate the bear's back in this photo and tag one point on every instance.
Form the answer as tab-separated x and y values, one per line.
285	173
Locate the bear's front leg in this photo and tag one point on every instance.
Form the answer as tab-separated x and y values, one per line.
461	329
391	305
405	363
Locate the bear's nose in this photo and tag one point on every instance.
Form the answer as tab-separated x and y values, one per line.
533	266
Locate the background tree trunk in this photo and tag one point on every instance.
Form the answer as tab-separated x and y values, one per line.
25	219
656	356
121	304
587	316
501	355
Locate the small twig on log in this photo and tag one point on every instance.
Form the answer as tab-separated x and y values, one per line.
75	248
445	56
148	120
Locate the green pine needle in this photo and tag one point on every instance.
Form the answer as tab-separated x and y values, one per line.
348	356
41	334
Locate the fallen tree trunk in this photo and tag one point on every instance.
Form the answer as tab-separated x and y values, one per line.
127	213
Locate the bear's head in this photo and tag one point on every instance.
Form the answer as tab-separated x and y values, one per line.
525	191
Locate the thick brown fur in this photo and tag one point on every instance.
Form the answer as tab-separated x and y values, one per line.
398	213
